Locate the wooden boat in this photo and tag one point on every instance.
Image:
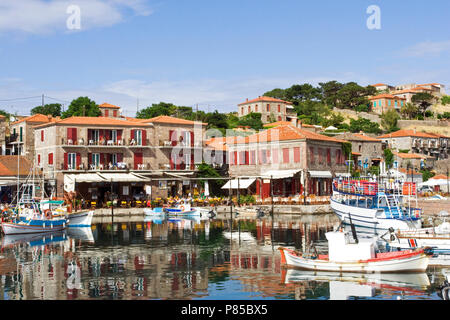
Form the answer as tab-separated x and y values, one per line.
357	257
74	219
375	205
155	212
23	226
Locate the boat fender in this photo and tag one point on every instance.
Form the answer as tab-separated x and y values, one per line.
182	208
48	214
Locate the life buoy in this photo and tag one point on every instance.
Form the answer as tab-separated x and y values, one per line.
48	214
182	208
149	203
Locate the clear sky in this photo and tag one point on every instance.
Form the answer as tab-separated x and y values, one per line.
209	52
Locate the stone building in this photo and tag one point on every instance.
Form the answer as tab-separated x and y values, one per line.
366	151
298	161
271	109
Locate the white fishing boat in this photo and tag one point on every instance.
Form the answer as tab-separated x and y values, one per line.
75	219
345	256
375	205
154	212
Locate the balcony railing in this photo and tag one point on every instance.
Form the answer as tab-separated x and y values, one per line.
103	143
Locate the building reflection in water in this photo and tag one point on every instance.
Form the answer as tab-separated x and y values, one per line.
160	259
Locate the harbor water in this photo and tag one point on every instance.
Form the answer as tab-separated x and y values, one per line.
214	259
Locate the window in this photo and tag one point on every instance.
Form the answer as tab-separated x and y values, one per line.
256	108
279	108
96	159
329	156
285	155
379	103
114	135
50	158
72	161
297	154
274	155
268	107
21	134
39	160
311	155
253	157
95	136
138	137
106	113
115	113
42	135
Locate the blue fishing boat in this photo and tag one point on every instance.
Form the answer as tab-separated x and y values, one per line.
376	205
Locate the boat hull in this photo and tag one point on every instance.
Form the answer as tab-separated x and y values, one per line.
21	228
417	262
80	219
367	218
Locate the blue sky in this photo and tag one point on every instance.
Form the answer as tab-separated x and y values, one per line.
212	53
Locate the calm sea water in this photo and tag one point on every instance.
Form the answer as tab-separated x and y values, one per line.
218	259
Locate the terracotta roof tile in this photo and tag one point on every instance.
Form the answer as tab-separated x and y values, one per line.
409	155
171	120
107	105
385	95
440	176
406	133
264	99
99	121
36	118
8	166
283	133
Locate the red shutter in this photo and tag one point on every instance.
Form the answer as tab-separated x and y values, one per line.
107	135
90	159
69	134
328	156
66	161
106	113
192	139
285	155
89	134
144	137
235	155
296	154
137	159
78	160
247	160
119	157
132	134
39	159
115	113
172	139
101	134
192	161
42	135
74	135
119	135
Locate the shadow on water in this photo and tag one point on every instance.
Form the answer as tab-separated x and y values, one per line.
178	258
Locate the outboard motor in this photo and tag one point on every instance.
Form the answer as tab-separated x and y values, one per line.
260	213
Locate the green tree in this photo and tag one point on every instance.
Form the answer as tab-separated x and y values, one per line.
445	100
53	109
82	107
206	171
253	120
4	113
388	158
389	120
365	125
422	100
352	95
157	109
409	110
329	92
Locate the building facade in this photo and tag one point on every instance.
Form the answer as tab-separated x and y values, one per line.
413	141
271	109
366	151
298	161
384	102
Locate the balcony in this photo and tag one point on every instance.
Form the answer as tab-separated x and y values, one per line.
103	143
168	144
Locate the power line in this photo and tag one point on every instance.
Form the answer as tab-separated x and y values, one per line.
26	98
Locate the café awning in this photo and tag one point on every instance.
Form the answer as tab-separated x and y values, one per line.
84	177
241	184
123	177
320	174
279	174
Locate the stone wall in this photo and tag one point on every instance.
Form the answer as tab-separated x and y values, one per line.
433	207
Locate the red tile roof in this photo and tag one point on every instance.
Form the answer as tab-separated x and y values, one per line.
283	133
99	121
378	85
278	123
358	136
407	133
409	155
107	105
385	95
264	99
36	118
439	176
8	166
170	120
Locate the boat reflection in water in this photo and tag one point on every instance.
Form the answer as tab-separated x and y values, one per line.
176	258
343	286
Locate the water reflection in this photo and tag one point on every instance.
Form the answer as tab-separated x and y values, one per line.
187	259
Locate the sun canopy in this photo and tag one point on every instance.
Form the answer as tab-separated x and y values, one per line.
122	177
241	184
279	174
320	174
